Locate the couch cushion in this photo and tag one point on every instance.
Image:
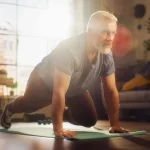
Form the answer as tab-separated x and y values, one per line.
134	96
137	81
135	105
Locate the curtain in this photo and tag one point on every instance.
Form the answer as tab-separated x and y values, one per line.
82	10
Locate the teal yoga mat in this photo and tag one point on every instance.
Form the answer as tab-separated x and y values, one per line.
81	135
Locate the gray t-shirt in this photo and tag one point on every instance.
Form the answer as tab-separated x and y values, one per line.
70	57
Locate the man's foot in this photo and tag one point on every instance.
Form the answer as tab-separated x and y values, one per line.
6	117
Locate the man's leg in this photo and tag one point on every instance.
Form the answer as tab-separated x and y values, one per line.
81	110
36	96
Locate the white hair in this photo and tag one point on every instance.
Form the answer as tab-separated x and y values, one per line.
100	15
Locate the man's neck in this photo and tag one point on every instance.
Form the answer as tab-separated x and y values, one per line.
90	48
91	51
92	54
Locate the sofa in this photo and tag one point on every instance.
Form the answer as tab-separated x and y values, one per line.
133	83
135	102
135	99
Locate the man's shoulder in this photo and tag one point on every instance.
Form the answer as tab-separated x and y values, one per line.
74	45
109	55
108	58
74	40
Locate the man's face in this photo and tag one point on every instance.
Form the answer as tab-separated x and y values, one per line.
103	36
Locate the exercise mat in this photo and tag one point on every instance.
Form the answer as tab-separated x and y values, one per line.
82	134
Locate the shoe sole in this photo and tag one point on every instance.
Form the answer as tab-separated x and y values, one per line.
3	124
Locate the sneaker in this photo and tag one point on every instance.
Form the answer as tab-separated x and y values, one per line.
6	117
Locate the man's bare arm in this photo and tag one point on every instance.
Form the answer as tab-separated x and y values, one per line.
112	103
61	84
111	98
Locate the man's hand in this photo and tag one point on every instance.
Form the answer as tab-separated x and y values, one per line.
64	133
118	129
61	84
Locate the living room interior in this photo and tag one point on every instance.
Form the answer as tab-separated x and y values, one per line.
29	30
19	44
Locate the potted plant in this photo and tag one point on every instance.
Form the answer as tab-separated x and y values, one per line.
3	73
13	86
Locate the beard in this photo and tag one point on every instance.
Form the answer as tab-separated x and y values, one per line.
105	49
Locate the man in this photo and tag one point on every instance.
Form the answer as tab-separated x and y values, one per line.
65	76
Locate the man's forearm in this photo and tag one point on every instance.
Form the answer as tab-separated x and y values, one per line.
58	104
112	104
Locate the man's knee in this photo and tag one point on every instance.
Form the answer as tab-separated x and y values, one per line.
89	122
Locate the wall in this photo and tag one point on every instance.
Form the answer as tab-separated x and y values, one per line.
124	10
141	35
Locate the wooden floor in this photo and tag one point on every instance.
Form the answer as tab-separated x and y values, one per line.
21	142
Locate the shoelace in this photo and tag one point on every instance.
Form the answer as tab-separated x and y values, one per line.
9	116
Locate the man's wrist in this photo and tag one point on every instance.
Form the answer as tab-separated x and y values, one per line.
115	125
57	127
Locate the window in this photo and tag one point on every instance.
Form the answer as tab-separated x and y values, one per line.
29	30
9	1
34	3
31	50
32	21
11	73
8	16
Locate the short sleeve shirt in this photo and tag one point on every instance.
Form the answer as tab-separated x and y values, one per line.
70	57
